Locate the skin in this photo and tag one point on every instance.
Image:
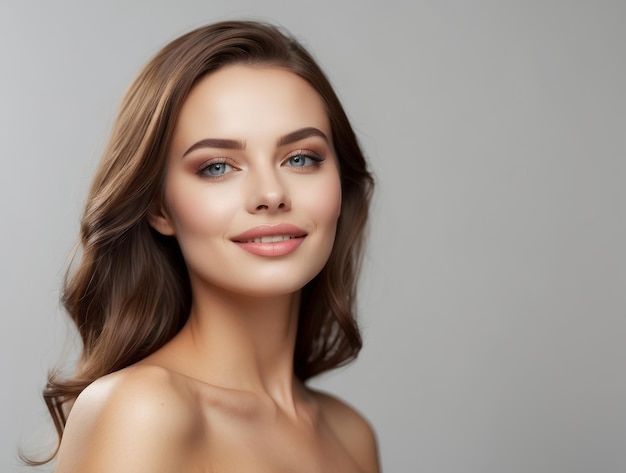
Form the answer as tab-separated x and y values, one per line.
221	396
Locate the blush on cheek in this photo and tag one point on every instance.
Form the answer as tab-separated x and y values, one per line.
206	211
335	196
332	204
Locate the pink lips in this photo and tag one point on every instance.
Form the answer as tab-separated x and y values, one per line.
271	240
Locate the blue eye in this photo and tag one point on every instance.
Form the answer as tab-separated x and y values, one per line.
215	169
300	160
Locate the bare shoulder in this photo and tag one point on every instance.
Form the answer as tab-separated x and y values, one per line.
137	419
352	429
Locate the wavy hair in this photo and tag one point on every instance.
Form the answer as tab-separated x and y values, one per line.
128	292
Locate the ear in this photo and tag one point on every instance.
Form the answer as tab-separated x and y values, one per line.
159	219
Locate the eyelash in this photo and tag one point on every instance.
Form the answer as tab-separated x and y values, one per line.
202	171
314	157
317	160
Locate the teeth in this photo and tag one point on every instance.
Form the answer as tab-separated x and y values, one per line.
272	239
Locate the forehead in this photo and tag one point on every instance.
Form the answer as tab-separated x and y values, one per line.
249	103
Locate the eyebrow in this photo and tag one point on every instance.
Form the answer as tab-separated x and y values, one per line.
216	143
301	134
289	138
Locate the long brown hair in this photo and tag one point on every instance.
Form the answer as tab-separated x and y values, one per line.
129	291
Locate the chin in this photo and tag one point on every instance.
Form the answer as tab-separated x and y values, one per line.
270	288
264	284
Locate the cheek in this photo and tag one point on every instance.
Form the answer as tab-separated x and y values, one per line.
197	211
332	193
326	203
334	204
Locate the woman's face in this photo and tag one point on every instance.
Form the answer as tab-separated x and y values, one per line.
252	188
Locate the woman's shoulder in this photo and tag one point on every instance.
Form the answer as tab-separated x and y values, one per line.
142	392
136	419
351	428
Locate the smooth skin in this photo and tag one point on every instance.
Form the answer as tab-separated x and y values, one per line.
222	396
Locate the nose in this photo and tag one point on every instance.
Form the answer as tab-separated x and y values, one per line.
268	193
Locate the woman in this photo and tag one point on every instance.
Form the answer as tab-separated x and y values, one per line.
220	248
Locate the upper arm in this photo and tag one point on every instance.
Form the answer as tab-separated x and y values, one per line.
353	430
126	425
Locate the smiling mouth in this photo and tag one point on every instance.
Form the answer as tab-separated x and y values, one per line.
280	244
271	239
275	233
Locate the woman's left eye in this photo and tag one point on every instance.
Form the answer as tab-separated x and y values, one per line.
301	160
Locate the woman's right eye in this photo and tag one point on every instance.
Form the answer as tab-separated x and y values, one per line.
215	169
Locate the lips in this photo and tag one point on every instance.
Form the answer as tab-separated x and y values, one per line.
279	232
271	240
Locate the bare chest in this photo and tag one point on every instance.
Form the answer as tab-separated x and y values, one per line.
233	444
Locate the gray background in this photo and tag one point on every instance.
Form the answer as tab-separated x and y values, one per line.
494	294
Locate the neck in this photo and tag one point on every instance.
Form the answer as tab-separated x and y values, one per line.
239	342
